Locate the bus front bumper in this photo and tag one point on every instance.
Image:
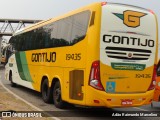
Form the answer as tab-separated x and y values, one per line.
110	100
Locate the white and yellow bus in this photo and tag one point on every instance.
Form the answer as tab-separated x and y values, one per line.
103	54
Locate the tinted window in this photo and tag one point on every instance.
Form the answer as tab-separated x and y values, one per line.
28	41
79	26
64	32
17	38
33	39
39	40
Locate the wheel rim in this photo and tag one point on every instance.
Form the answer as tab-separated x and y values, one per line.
57	95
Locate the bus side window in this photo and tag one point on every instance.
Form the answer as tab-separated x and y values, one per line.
40	39
158	69
34	36
79	26
28	41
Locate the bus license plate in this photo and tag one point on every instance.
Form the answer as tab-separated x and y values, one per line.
126	102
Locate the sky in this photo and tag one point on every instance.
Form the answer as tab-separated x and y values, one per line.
45	9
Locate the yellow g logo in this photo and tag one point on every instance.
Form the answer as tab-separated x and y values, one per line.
130	18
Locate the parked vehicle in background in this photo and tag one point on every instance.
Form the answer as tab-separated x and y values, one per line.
3	44
157	88
7	51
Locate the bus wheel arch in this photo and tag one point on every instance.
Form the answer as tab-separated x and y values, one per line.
11	79
53	82
45	90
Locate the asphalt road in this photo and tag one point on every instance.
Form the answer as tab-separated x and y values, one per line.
77	113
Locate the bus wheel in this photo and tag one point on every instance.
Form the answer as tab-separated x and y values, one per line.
11	80
46	92
58	102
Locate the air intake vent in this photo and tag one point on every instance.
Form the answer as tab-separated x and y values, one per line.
128	53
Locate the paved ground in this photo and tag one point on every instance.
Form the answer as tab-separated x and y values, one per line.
8	103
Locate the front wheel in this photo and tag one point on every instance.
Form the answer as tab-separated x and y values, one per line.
57	99
11	80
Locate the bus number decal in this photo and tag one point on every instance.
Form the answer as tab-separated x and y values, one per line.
143	75
76	56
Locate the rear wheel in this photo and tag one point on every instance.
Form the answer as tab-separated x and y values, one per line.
57	99
11	80
46	92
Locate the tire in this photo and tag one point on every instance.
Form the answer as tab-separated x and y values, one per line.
46	92
57	99
11	80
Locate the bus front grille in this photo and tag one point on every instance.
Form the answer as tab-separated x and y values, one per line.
128	53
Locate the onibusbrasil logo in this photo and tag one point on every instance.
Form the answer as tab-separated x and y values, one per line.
130	18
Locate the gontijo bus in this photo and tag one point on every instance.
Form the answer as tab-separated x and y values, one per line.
103	54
